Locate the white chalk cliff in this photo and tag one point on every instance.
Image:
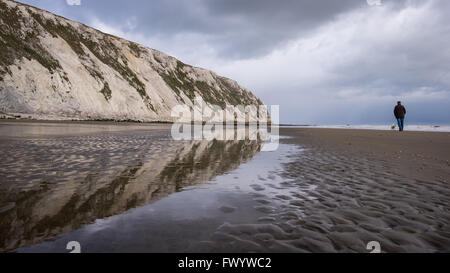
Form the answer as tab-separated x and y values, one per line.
55	68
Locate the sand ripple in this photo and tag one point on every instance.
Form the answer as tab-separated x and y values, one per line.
337	203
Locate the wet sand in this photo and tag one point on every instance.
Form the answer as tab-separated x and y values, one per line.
417	155
371	185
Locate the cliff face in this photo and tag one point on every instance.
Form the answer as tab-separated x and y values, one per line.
55	68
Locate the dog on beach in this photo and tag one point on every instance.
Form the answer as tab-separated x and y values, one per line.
393	126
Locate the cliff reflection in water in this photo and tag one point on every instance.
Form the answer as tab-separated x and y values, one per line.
52	185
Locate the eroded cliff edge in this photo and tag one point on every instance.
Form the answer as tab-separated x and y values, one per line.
55	68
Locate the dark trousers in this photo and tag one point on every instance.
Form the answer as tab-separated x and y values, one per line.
400	124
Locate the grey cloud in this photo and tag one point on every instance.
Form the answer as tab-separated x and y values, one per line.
238	29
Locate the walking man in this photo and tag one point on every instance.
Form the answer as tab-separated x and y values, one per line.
400	112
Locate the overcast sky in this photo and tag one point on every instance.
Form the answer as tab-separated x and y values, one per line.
323	62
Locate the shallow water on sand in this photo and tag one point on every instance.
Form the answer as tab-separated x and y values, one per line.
124	188
192	219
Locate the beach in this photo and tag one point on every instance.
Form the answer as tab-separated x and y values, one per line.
345	188
415	154
132	188
387	186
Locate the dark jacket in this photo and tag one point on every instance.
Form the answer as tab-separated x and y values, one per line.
399	111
